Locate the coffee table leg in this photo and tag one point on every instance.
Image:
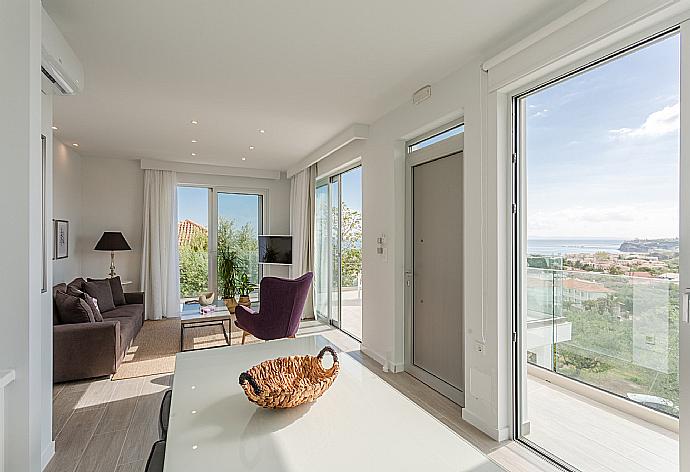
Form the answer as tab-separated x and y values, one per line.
181	337
225	333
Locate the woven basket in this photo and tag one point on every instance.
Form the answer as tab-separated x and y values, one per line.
289	381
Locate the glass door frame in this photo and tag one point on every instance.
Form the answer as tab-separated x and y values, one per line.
334	275
518	246
212	208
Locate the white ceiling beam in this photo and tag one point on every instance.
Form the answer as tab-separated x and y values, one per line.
342	139
188	168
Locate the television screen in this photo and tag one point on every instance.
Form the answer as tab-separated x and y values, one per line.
275	249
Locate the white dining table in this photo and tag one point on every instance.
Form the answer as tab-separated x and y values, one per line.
360	424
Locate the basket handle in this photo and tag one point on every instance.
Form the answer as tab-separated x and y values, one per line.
246	377
331	351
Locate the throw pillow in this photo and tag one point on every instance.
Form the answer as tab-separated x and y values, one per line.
100	290
92	302
72	309
115	288
77	283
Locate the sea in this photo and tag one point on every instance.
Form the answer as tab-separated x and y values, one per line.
573	246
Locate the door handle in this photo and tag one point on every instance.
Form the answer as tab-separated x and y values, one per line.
684	308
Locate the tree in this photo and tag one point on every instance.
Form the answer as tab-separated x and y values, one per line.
351	246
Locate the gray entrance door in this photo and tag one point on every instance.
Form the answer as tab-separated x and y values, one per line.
437	300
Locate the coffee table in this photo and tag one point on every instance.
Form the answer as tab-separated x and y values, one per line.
200	320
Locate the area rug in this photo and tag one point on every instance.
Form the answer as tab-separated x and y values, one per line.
153	350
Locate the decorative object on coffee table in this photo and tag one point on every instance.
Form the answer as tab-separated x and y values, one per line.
61	239
287	382
112	241
206	299
229	263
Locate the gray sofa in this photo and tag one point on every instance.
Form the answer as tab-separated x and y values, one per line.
86	350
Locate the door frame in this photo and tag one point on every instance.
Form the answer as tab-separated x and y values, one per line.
518	233
433	152
335	319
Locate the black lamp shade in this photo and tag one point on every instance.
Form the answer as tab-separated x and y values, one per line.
112	241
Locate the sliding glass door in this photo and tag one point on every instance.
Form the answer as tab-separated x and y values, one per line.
597	263
338	251
209	220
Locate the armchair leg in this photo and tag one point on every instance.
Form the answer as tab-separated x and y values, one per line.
292	337
244	335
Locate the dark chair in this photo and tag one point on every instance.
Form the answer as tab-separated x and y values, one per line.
164	414
156	457
282	302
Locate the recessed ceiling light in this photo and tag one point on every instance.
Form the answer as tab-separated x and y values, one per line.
54	127
251	148
194	122
193	154
75	144
244	158
262	131
194	141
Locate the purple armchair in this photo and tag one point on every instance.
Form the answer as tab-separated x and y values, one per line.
282	302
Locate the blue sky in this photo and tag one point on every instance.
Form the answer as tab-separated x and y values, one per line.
192	204
352	188
602	150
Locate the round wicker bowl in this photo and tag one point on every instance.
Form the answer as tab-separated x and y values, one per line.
289	381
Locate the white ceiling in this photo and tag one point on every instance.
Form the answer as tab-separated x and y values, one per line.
303	70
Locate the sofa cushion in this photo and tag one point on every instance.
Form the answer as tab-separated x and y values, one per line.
129	328
100	290
72	309
115	288
134	311
77	283
92	302
57	288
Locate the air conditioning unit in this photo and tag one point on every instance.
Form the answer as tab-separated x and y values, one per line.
59	63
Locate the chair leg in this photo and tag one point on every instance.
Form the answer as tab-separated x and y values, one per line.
244	335
292	337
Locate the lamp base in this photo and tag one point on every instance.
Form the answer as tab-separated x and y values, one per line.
112	265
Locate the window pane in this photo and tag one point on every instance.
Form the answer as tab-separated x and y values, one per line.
239	226
192	231
436	138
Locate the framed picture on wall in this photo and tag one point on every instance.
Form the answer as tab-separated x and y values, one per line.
61	239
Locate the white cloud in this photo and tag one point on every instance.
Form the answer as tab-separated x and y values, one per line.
659	123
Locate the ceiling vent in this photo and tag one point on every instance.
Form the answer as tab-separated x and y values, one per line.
421	95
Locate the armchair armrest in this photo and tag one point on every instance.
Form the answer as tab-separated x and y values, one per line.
132	298
85	350
245	318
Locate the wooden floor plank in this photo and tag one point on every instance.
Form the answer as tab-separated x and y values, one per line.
119	412
102	452
138	466
73	440
143	430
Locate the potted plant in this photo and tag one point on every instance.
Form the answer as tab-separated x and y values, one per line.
229	263
245	288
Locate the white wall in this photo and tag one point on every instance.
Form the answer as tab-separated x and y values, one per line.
20	264
112	200
67	205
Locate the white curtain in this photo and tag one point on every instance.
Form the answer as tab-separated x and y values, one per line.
302	197
160	266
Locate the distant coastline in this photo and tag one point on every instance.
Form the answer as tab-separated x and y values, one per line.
591	246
